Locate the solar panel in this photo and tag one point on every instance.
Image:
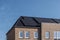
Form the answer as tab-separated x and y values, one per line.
29	21
35	21
19	23
44	20
57	20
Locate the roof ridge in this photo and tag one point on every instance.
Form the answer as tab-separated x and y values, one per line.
37	17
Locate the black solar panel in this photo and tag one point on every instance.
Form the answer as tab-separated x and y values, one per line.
44	20
57	20
19	23
34	21
28	21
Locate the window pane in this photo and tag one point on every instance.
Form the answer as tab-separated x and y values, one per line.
35	34
55	35
47	34
55	39
21	34
27	34
58	39
58	35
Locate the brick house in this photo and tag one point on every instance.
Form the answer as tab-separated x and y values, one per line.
35	28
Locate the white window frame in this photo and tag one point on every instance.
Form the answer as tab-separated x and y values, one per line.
47	33
34	34
56	35
19	34
26	34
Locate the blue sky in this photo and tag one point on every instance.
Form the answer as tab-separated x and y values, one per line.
11	10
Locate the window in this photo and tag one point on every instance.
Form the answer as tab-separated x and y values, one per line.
47	34
57	35
35	34
27	34
21	34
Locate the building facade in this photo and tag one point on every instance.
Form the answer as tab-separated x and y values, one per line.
35	28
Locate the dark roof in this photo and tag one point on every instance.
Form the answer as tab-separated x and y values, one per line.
25	21
34	21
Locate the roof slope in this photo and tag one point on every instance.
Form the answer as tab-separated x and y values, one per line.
25	21
34	21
